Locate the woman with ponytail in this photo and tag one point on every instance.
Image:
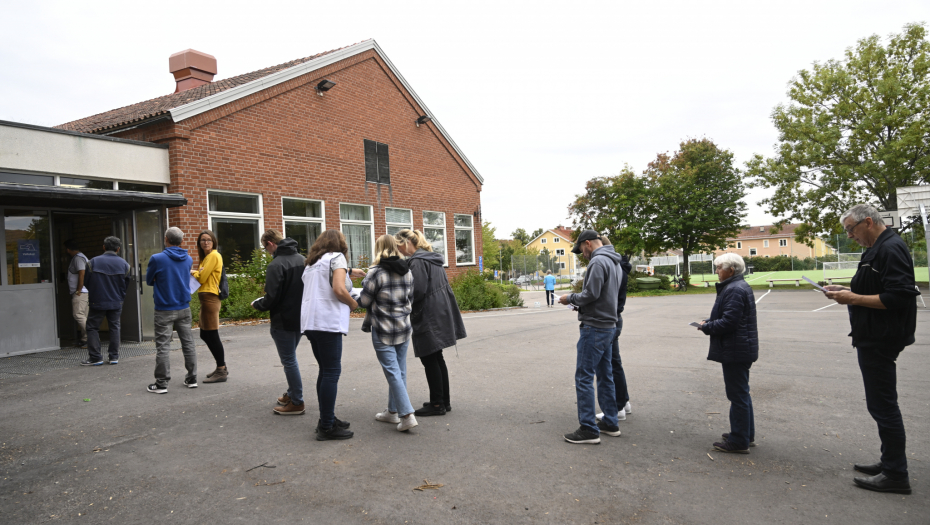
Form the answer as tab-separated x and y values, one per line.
208	275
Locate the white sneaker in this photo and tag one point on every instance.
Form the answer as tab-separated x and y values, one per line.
599	416
627	408
406	423
621	415
387	417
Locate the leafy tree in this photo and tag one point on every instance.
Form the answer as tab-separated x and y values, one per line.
490	246
520	235
695	199
855	131
536	233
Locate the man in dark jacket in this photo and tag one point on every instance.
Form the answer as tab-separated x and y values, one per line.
597	311
734	342
883	317
284	289
106	278
623	395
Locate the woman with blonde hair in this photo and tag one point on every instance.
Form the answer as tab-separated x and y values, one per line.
434	316
387	293
208	275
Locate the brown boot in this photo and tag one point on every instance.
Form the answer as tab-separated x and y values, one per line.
290	409
219	376
213	372
284	400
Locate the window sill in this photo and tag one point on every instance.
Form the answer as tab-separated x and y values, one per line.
465	264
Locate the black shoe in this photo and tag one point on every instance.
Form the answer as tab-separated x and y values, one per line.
430	410
82	344
583	436
726	437
448	407
341	424
155	389
91	363
190	382
607	429
881	483
871	470
729	447
326	434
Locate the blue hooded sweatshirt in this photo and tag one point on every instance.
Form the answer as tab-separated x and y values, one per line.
169	274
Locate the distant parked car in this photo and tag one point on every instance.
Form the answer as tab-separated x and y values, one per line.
523	279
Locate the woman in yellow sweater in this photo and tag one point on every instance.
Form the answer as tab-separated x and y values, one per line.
211	268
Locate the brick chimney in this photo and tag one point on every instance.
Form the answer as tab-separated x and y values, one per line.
191	69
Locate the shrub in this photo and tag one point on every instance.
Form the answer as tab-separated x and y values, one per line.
578	286
472	292
511	294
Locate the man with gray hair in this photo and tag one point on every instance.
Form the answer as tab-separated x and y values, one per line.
883	317
107	279
168	273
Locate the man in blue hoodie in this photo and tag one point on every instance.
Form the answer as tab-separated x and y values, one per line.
168	273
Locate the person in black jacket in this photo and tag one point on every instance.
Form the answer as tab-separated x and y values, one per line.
883	317
107	280
616	364
435	317
734	342
283	292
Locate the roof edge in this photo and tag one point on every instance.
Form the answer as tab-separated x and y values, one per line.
557	234
80	134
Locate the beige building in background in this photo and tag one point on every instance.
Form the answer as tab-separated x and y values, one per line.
764	241
558	241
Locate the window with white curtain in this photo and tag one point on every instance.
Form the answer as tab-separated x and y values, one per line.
358	228
398	219
303	221
464	239
434	229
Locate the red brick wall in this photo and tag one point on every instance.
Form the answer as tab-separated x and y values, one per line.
289	141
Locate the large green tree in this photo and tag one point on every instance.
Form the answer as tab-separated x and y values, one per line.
695	199
520	235
490	246
855	130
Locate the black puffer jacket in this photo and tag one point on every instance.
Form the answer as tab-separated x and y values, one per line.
734	336
284	287
437	322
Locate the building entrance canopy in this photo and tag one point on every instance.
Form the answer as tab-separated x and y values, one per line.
82	198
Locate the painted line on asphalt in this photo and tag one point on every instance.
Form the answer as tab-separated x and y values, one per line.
763	296
759	277
479	316
828	306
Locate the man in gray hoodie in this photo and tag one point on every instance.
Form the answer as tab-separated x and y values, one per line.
597	311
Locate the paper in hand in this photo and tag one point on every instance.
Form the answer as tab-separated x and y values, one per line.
570	306
355	293
194	285
695	324
817	286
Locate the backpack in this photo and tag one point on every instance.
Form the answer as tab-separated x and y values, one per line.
224	285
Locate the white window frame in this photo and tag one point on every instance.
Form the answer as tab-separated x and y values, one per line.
765	243
474	248
287	218
542	241
445	233
753	252
556	239
782	243
561	266
232	215
370	222
387	224
560	250
739	245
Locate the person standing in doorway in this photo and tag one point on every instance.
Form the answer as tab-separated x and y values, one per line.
76	271
549	282
208	274
168	274
434	316
107	280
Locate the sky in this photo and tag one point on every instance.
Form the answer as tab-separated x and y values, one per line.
540	96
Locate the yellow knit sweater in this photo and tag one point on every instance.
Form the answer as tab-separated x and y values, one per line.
211	268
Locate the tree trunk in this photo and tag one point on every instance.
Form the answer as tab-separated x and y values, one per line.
685	270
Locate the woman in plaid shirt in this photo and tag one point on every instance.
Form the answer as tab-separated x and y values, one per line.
387	293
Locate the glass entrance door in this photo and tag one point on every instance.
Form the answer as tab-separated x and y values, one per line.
130	329
150	239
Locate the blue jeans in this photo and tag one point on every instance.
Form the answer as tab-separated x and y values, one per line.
286	343
619	377
94	318
742	420
393	361
327	349
879	376
594	358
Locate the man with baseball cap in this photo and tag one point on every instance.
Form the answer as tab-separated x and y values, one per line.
597	312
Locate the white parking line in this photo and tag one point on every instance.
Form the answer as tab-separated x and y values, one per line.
828	306
763	296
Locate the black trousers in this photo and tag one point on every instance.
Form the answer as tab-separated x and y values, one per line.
879	376
550	297
437	377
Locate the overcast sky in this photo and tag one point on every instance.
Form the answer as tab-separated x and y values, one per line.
541	96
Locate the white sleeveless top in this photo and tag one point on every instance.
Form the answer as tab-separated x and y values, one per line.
319	308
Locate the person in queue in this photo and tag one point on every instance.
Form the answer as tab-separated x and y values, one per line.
77	268
387	294
435	318
597	312
734	343
549	285
616	364
208	274
283	293
883	319
107	280
324	318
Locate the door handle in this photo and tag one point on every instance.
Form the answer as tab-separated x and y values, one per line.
139	277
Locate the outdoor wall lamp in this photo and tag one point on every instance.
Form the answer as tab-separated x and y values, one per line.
423	120
324	85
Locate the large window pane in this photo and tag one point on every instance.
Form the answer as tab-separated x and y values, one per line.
463	221
237	238
28	256
86	183
434	218
464	250
134	186
437	239
305	233
232	203
18	178
398	215
393	230
358	237
354	212
302	208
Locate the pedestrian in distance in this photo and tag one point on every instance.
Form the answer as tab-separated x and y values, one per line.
597	312
734	343
283	293
387	295
208	274
324	318
549	282
76	273
107	279
434	315
883	316
616	364
168	275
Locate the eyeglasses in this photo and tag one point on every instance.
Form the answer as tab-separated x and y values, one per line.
853	227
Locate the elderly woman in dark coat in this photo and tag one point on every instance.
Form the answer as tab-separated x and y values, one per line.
734	342
437	322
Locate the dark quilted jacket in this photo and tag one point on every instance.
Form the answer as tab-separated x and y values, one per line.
734	336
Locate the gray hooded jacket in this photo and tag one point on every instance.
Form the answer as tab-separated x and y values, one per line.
597	302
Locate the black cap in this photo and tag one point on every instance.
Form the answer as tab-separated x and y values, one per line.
587	235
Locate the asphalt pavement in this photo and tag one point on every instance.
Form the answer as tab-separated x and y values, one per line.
90	445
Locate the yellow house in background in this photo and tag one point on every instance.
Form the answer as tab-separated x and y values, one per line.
558	241
764	241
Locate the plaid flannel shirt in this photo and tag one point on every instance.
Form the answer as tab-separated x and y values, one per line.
388	298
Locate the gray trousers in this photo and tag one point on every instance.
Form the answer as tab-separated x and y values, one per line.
165	322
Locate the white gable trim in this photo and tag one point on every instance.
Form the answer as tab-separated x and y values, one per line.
553	232
231	95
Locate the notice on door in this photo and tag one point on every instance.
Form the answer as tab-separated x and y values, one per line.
28	253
